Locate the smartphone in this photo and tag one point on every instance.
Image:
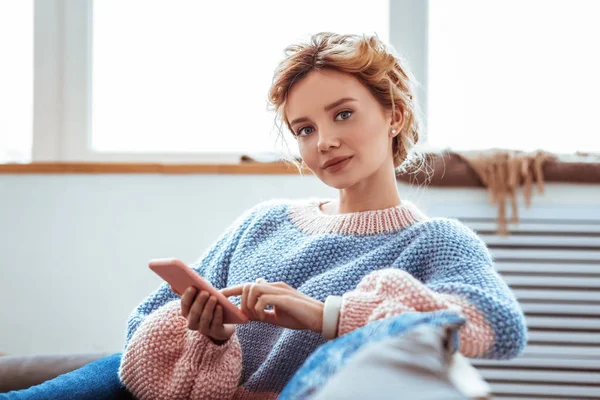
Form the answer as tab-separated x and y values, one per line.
180	277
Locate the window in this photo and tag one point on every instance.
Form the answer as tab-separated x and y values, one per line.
190	76
187	81
514	74
16	80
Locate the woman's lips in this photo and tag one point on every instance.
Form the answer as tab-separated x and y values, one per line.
339	165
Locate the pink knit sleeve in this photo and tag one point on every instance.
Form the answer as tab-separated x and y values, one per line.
388	292
166	360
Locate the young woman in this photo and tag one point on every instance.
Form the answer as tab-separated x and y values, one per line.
325	267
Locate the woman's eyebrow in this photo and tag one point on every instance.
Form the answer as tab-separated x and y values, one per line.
339	102
326	108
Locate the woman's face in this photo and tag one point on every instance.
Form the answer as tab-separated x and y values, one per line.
337	120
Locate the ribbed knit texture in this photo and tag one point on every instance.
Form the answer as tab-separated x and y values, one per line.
381	262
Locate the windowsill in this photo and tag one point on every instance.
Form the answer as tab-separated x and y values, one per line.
449	170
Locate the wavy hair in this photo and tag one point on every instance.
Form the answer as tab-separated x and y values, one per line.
373	63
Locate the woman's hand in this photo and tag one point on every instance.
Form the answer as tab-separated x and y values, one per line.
291	309
204	315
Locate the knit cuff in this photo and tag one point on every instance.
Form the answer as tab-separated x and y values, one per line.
165	359
201	350
384	293
356	309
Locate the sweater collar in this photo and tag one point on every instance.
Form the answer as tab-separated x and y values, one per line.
309	217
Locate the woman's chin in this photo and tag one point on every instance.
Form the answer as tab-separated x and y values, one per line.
338	182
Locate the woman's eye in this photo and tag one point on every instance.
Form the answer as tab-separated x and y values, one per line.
304	131
343	115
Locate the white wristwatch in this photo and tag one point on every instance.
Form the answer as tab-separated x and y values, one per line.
331	316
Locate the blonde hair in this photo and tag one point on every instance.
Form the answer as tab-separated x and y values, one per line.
369	60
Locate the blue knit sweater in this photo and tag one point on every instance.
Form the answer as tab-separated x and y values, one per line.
381	263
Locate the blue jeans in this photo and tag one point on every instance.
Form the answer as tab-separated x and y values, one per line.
96	380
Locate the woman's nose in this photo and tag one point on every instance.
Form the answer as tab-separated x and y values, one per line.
327	140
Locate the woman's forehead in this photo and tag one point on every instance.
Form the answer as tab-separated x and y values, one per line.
321	88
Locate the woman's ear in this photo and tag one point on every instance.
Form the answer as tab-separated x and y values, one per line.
396	120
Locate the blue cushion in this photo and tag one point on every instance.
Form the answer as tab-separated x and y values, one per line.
328	358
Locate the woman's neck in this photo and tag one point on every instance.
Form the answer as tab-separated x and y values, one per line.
377	192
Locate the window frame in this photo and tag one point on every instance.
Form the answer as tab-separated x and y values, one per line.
63	81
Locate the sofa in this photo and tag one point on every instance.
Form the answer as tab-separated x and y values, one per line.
20	372
412	353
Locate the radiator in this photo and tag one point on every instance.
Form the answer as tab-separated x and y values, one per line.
551	260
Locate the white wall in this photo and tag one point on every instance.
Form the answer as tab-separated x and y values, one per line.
75	247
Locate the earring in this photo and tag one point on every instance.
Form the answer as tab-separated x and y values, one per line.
393	132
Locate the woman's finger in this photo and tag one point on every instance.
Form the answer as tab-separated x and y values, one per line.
250	299
244	300
282	285
259	308
217	322
196	310
207	315
187	299
236	290
256	292
275	300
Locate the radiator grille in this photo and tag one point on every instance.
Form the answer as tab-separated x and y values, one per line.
551	260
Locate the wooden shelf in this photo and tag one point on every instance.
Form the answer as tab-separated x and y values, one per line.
250	168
